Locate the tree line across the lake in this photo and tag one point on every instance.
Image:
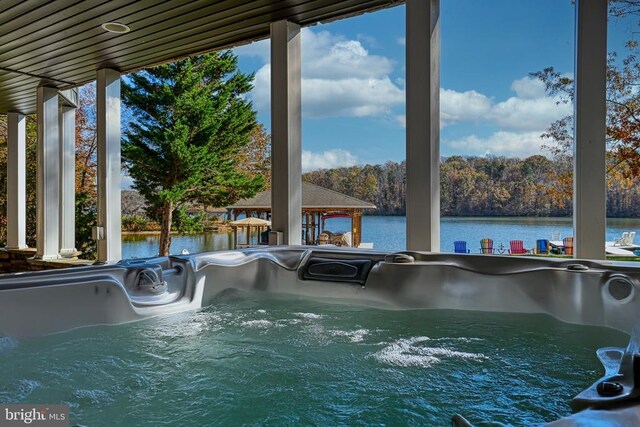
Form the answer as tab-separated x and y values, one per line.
480	186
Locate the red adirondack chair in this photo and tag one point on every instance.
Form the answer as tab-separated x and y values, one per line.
517	247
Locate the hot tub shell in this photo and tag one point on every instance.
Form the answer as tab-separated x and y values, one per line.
573	291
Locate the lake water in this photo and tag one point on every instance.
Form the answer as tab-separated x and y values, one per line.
388	233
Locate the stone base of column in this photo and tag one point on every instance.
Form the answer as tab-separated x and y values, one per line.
16	247
47	257
69	253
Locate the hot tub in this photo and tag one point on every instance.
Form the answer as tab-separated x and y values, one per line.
585	293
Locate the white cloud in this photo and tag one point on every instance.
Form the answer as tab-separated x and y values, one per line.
327	159
368	40
529	114
349	97
510	144
530	110
329	56
339	78
528	88
522	118
402	41
463	106
261	93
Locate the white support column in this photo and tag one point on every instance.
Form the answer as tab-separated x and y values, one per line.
286	131
48	175
109	210
423	124
16	181
67	182
589	200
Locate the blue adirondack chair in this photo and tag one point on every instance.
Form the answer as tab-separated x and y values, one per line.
542	247
460	247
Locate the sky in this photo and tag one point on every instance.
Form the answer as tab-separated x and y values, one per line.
353	71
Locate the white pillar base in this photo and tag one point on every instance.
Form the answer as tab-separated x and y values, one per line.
69	253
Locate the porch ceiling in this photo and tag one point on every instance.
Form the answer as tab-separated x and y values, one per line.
62	43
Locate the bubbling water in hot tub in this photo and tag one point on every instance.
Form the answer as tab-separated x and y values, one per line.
256	358
237	351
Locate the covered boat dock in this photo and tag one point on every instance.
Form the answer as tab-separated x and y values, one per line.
318	205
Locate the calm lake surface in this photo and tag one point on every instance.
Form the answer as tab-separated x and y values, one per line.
388	232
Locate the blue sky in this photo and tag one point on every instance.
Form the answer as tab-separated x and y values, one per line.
354	69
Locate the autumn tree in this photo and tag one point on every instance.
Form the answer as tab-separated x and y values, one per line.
86	169
255	159
622	120
192	122
469	186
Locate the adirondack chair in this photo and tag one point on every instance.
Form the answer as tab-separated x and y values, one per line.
622	241
486	246
517	247
567	242
631	238
460	247
542	247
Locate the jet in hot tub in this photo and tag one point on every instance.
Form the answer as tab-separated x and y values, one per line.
307	335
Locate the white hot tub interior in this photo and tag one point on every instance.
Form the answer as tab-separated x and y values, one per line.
577	292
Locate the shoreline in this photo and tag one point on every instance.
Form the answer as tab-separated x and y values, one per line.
173	233
222	229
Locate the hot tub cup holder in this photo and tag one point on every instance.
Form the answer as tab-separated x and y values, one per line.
620	384
577	267
609	388
399	258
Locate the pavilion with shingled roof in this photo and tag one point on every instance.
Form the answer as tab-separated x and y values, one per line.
318	205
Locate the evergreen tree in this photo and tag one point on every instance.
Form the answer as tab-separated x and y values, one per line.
191	122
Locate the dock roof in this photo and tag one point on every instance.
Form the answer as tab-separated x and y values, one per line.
313	197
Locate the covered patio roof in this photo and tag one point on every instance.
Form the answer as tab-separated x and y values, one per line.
61	43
